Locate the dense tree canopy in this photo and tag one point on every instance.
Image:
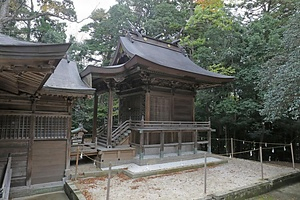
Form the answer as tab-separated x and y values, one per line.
36	20
257	41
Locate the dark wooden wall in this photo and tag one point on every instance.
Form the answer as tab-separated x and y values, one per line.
33	130
166	106
48	161
132	106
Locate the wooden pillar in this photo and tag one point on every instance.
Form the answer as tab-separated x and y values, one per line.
195	142
95	117
147	106
147	138
209	141
162	144
110	116
30	142
193	111
68	144
179	143
142	149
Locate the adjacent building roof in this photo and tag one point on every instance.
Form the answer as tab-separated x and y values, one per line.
25	66
66	81
79	129
136	51
167	58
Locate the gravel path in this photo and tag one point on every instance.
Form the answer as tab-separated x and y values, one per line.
188	184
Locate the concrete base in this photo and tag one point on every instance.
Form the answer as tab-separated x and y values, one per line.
164	168
257	189
72	191
18	192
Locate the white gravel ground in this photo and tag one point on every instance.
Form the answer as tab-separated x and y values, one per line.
188	184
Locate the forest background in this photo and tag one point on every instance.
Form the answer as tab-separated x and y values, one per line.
257	41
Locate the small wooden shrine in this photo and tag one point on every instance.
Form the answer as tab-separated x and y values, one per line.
156	84
77	136
37	88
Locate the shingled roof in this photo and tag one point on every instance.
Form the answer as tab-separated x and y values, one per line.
168	57
66	81
25	66
136	50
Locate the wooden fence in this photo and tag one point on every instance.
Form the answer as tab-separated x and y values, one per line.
5	184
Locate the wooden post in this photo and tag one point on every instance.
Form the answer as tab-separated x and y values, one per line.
147	106
141	144
292	154
77	158
68	145
94	136
147	138
205	172
209	141
162	144
261	162
110	117
231	142
31	141
108	181
179	143
195	142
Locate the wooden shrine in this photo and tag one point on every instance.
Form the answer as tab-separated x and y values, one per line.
156	84
37	88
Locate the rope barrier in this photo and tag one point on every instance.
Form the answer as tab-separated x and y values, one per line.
247	141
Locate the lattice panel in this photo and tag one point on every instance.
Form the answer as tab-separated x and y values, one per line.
51	127
14	126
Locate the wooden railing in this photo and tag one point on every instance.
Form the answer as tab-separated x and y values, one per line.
169	125
5	185
121	129
140	125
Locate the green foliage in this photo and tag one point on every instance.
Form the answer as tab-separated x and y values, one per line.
36	22
280	76
165	18
83	112
104	36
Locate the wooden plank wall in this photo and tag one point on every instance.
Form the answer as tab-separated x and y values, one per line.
132	106
47	156
48	161
171	107
19	152
161	107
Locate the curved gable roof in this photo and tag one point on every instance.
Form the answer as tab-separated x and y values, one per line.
166	55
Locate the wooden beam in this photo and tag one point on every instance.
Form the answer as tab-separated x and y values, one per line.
142	150
30	143
68	144
147	106
179	142
162	144
96	99
195	141
110	117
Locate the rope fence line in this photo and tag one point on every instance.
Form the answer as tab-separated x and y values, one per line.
284	146
247	141
260	150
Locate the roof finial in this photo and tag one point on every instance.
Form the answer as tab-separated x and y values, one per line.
135	29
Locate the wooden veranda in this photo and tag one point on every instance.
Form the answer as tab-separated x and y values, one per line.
170	136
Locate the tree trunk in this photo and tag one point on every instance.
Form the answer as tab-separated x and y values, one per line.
4	7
